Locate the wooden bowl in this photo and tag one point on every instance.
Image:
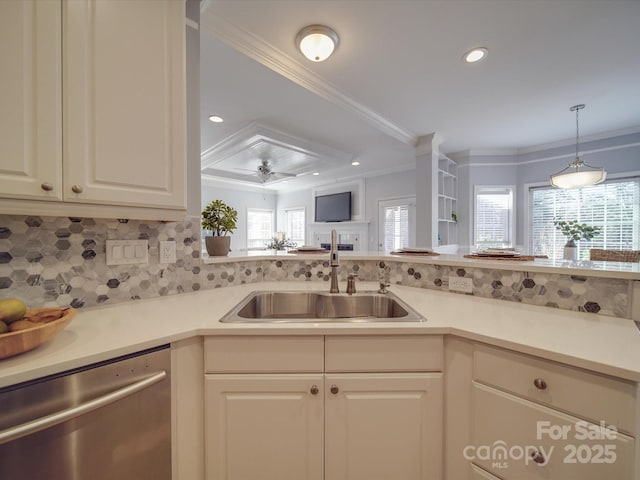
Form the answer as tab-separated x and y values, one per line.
14	343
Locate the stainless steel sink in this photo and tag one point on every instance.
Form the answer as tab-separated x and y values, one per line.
312	307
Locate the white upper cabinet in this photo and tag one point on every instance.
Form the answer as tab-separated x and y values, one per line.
30	95
106	125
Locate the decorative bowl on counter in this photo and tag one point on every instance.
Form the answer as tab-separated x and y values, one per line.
14	343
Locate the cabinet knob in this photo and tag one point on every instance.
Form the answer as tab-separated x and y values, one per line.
76	189
540	384
46	186
334	389
314	390
538	457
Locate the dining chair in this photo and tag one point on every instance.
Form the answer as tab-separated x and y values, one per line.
614	255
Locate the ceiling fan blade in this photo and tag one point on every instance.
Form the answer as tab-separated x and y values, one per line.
283	174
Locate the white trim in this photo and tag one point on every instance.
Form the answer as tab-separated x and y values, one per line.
256	48
583	139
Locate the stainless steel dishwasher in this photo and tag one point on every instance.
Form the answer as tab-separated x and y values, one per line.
110	420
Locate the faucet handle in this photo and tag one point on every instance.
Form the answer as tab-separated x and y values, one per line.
351	283
383	287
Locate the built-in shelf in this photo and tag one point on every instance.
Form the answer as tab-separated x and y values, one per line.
447	201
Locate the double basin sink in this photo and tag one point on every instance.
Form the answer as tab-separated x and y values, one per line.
313	307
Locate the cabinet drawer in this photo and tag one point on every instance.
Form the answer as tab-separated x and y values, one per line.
586	394
264	354
383	353
507	431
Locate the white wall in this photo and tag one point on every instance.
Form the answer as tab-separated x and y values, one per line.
241	199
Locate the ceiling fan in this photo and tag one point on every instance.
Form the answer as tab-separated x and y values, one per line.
265	172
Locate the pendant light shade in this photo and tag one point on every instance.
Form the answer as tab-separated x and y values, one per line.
317	42
578	174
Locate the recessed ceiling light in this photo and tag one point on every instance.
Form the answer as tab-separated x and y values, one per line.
316	173
475	55
317	42
216	118
355	164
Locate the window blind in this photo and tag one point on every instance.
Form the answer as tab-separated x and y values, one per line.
259	228
295	225
493	217
614	206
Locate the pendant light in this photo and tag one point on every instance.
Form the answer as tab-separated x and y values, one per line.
578	174
317	42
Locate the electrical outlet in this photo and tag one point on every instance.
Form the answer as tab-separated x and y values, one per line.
460	284
168	251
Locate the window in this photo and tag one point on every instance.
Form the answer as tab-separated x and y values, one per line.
397	218
494	225
295	225
613	205
259	228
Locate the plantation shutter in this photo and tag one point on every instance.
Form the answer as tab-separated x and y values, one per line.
295	225
396	227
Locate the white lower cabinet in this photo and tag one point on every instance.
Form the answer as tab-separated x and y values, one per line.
267	427
314	425
536	419
383	426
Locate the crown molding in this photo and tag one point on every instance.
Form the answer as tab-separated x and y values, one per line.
583	139
256	132
262	52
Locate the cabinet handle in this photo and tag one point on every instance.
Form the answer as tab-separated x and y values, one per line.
76	189
540	384
314	390
334	389
538	457
46	186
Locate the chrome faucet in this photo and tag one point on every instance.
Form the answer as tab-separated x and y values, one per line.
334	264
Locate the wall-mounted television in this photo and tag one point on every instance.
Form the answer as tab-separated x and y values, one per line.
333	208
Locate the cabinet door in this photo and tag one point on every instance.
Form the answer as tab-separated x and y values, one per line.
517	439
383	426
124	102
30	116
264	427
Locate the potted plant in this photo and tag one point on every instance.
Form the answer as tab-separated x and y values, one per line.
221	219
574	231
280	242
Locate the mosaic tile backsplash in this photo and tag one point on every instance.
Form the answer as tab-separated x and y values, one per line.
49	261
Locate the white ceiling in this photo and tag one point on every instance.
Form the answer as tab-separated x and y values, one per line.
397	74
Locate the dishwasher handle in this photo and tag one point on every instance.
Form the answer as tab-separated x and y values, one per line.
62	416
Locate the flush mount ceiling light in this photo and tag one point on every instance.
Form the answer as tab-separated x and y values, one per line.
475	55
317	42
216	118
578	174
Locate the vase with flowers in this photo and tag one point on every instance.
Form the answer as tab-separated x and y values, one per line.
574	231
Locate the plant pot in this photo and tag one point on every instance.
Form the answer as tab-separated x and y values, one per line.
570	251
217	246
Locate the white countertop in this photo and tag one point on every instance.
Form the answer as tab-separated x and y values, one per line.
604	344
622	270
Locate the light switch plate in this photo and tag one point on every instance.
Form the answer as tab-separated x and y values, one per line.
127	252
